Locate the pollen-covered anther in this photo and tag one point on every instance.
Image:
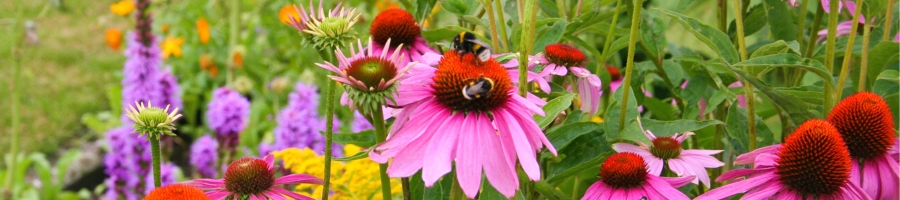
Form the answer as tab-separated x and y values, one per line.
454	73
397	25
565	55
666	148
248	176
865	123
813	160
623	170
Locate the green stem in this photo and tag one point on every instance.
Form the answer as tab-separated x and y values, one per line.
848	53
503	40
609	38
456	190
380	136
720	114
723	16
406	190
233	31
864	59
817	22
14	113
495	39
887	21
329	127
154	150
748	89
526	44
802	22
629	64
830	41
657	62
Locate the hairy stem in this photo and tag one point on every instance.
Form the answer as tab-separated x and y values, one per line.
380	136
526	44
887	21
609	38
629	64
848	53
495	39
503	40
802	23
723	16
154	151
864	58
329	126
748	89
830	40
817	22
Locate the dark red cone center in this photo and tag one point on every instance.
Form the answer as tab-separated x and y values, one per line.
814	160
248	176
623	170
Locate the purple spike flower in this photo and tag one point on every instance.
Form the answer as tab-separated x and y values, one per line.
299	123
204	156
227	114
360	123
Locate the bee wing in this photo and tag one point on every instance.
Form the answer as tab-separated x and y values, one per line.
479	42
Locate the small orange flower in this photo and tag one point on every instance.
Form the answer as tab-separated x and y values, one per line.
172	46
122	8
165	28
238	59
288	11
207	64
113	38
203	30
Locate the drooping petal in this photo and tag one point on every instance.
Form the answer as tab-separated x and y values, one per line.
498	167
765	191
298	178
522	147
218	194
282	191
739	186
668	186
441	149
469	155
206	184
750	157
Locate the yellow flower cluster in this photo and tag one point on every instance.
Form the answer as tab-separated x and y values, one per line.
357	179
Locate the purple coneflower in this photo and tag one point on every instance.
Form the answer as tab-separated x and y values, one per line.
558	59
253	178
813	162
205	155
667	151
227	115
399	26
443	120
624	176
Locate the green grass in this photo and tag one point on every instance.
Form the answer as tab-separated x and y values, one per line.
62	78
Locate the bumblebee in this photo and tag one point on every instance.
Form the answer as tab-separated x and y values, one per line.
477	88
466	42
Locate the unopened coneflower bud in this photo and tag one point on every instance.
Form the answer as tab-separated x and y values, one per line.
152	121
334	30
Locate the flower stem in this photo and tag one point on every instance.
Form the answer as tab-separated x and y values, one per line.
802	23
888	21
723	16
848	53
817	22
14	113
864	59
629	64
406	190
609	38
748	89
233	32
830	40
503	40
329	126
154	150
495	39
456	190
380	136
526	44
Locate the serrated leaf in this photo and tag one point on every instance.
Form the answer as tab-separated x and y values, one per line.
652	34
887	83
586	153
553	108
712	37
552	35
613	112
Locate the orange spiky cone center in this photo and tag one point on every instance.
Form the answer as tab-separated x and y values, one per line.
814	159
565	55
176	191
372	70
666	148
455	72
865	123
623	170
397	25
248	176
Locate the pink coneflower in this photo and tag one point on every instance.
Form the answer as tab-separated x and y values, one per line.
812	163
401	27
469	112
865	123
624	176
667	151
252	178
369	76
558	59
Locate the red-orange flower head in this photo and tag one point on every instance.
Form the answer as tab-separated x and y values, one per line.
397	25
666	148
614	73
623	170
454	73
814	159
176	191
248	176
565	55
866	124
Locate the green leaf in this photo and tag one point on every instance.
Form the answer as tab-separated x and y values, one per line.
475	20
563	135
587	152
363	139
553	108
661	109
754	21
736	128
613	112
781	20
549	7
439	191
549	191
881	56
423	8
796	109
445	33
777	47
551	36
887	83
460	7
652	34
488	192
712	37
357	156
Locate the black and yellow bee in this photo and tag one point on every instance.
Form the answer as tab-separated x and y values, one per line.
466	42
477	88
